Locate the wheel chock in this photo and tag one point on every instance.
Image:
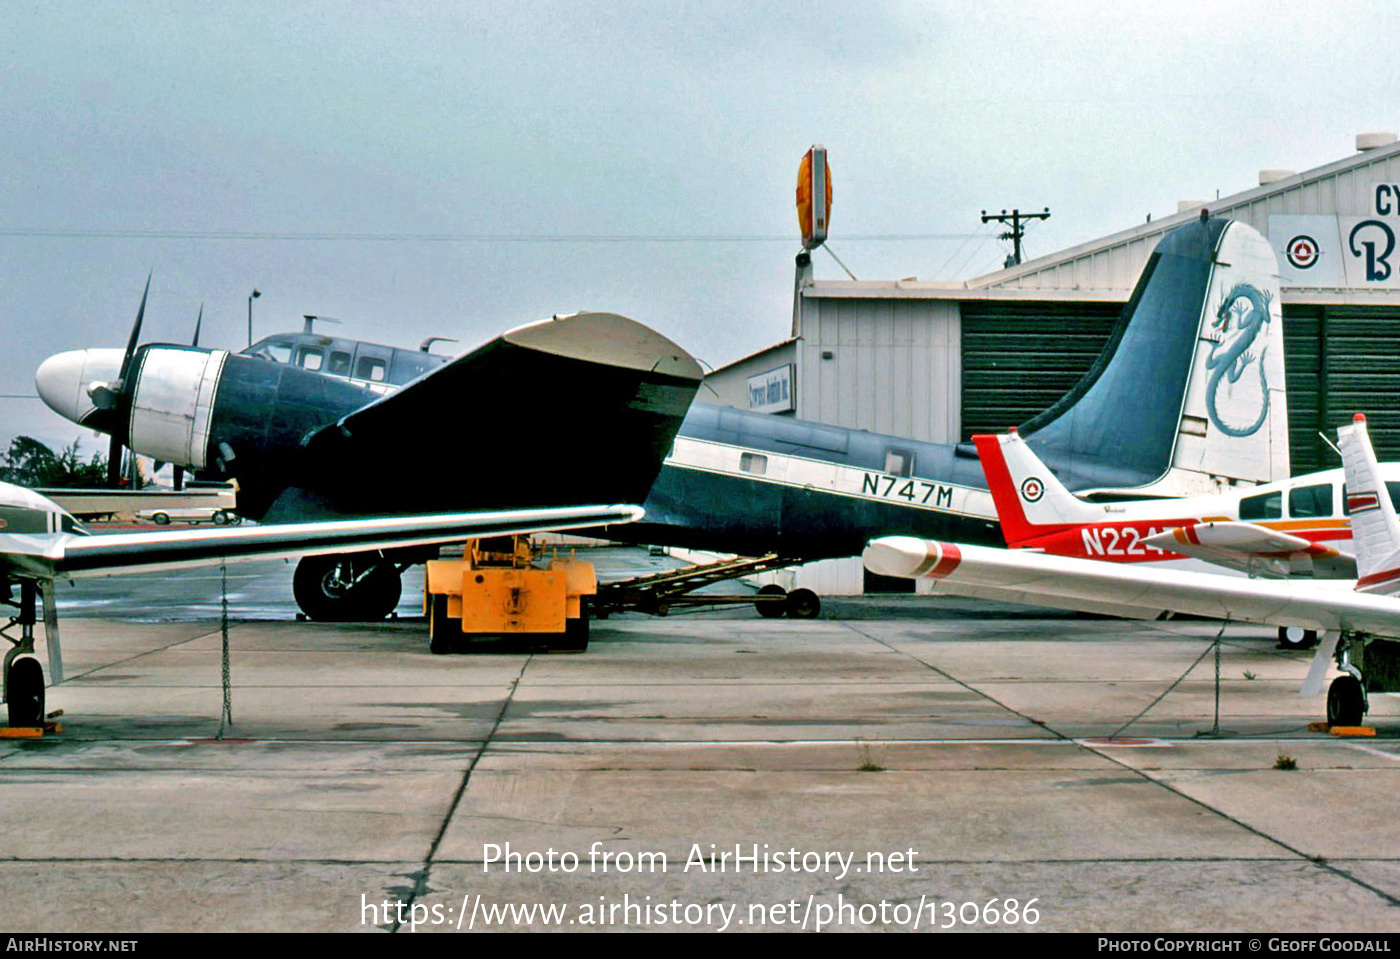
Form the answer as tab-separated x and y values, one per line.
1360	731
30	732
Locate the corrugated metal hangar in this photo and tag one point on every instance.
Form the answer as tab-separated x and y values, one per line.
940	361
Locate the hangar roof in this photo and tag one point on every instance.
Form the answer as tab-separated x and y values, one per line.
1106	268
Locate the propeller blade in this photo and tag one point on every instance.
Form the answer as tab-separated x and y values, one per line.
114	461
197	322
135	331
178	477
114	448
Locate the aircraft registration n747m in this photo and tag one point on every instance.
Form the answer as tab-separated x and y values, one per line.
1361	617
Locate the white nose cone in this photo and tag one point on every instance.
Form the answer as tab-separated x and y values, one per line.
63	380
896	556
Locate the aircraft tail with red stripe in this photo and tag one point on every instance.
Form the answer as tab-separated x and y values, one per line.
1031	502
1375	531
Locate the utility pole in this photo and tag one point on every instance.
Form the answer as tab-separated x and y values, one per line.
1018	230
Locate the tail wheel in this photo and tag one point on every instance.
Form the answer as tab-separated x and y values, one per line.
24	692
1346	702
803	604
346	588
772	608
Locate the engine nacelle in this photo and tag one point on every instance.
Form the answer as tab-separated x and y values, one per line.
172	403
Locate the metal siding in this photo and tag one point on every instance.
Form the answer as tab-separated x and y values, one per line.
1018	358
895	366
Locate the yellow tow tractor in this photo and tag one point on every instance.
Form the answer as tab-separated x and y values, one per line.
500	588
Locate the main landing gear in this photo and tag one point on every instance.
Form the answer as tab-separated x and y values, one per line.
1347	702
23	675
347	587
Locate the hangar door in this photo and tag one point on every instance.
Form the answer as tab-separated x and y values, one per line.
1020	357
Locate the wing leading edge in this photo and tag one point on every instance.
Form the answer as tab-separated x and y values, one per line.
83	556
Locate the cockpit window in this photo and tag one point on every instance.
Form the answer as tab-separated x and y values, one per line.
1265	506
276	352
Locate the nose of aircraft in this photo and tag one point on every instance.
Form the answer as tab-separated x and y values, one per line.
63	380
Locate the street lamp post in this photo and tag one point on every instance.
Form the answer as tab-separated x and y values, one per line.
251	297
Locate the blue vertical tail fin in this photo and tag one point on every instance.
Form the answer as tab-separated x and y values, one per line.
1189	395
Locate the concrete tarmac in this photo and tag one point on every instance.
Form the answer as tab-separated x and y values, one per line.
916	763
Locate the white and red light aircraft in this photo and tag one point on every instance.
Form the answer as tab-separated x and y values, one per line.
1299	527
1360	618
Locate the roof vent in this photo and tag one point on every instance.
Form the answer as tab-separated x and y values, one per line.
1184	205
1373	141
1273	176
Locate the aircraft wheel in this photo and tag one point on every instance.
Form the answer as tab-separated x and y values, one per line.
220	518
332	589
575	638
24	690
803	604
1346	702
770	609
161	519
1296	637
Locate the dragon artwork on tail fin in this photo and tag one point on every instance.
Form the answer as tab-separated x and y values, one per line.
1246	309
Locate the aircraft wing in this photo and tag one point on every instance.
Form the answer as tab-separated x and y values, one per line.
67	555
1085	584
1256	550
576	410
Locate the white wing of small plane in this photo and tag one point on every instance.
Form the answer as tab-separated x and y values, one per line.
1368	606
1071	583
1256	550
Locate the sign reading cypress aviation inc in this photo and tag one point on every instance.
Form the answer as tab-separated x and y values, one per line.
772	392
1328	249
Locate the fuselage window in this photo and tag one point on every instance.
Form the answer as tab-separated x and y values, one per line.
899	462
755	463
371	368
1266	506
1308	501
310	358
339	364
1392	487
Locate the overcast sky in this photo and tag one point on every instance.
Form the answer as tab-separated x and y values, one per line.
456	169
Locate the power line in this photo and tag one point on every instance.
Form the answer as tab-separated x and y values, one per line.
258	235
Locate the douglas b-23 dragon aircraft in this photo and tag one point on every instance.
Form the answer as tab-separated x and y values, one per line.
1187	397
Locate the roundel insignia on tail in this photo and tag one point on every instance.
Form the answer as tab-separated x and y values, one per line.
1032	489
